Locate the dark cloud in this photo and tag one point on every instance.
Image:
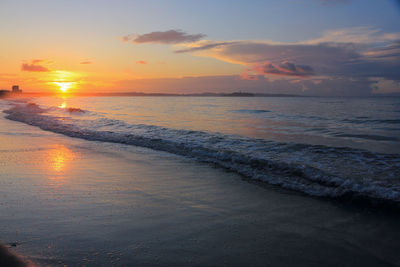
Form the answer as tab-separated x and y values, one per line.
390	52
166	37
34	67
350	61
382	62
309	54
306	59
284	68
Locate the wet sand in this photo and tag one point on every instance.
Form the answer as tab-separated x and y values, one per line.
75	202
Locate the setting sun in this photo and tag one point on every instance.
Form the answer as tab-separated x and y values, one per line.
64	80
64	86
200	133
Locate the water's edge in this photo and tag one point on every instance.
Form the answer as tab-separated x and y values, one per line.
312	169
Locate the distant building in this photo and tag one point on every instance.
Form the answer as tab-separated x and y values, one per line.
15	89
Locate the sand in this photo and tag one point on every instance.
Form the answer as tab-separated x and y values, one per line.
76	202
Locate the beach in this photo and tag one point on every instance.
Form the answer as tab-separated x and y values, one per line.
69	201
199	133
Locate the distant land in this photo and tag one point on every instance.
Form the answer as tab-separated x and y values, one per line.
206	94
5	93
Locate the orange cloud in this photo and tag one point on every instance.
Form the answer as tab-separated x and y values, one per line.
34	67
141	62
247	76
86	62
35	61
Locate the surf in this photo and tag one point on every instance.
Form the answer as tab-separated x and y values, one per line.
316	170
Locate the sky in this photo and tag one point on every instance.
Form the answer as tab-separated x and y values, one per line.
306	47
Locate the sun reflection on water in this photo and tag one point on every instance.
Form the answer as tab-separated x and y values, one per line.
59	157
63	105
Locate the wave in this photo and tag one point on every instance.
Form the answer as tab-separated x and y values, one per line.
366	120
369	137
313	169
253	111
75	110
69	110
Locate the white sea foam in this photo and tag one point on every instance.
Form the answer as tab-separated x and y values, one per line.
313	169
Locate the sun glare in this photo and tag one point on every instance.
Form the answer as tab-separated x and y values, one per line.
64	80
64	86
59	157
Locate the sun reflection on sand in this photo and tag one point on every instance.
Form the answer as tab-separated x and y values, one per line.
59	156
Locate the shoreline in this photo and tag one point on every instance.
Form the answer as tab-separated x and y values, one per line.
287	172
141	94
98	203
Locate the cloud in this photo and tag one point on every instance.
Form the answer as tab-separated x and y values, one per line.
384	86
285	59
349	61
389	52
355	35
166	37
127	38
360	52
141	62
284	68
249	77
203	47
86	62
35	61
34	67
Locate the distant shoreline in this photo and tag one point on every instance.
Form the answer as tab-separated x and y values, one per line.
6	93
234	94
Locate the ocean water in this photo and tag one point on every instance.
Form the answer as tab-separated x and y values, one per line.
331	147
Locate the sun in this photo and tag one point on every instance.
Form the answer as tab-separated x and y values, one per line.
64	80
64	86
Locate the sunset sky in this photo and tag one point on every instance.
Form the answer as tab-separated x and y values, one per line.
311	47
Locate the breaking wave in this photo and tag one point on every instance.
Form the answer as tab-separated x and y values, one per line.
75	110
313	169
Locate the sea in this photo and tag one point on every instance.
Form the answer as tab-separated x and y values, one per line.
335	147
